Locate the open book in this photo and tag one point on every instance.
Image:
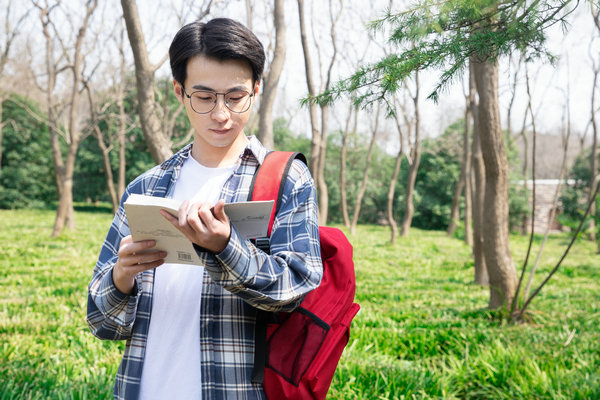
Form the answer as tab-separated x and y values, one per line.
250	218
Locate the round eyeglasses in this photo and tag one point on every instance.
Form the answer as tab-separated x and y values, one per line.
204	101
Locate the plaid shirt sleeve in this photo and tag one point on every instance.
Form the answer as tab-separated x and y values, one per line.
110	313
276	282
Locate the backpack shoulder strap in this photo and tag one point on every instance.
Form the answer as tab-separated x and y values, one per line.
268	184
270	177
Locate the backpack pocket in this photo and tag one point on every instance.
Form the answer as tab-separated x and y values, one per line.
295	343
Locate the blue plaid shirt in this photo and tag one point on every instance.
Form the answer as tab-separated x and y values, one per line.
237	281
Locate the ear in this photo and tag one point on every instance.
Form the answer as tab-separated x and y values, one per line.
256	87
178	89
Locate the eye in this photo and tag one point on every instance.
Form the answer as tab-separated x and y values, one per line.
205	97
236	97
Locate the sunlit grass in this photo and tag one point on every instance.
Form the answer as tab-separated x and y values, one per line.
46	349
423	330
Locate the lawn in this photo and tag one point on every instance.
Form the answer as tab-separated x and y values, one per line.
423	330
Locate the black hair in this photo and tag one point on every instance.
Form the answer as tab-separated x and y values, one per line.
219	38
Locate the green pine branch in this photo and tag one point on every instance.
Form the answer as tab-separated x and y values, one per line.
444	35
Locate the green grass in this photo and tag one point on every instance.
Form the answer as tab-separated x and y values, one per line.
423	330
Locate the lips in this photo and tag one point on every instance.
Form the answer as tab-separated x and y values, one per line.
220	131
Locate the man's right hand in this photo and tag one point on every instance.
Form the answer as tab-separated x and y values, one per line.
132	261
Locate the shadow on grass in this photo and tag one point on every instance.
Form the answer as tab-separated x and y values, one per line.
102	208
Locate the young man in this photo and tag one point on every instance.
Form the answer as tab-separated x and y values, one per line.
190	329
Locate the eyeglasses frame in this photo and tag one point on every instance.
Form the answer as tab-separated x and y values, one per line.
189	96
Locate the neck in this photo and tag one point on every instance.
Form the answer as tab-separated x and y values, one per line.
215	157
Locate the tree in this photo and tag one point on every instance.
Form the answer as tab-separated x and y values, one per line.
415	157
365	178
319	135
594	122
450	35
464	181
9	35
352	111
271	79
64	165
312	91
477	194
156	139
392	185
122	116
563	167
495	228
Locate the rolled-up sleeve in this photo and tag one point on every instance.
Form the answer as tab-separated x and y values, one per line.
110	313
279	281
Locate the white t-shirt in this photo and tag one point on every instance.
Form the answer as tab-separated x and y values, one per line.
172	360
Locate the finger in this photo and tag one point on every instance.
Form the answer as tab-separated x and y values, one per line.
150	257
143	258
205	212
170	217
183	212
195	220
129	247
150	265
135	269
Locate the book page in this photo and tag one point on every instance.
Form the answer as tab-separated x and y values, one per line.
251	220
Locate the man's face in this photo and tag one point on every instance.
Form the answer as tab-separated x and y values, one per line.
221	128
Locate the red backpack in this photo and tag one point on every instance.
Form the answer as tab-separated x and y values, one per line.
296	353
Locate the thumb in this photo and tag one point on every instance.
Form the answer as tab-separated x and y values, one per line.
219	211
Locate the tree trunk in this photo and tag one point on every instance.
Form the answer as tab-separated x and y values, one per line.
390	195
319	140
478	190
105	150
593	160
481	274
110	183
265	123
1	129
121	135
501	270
65	210
513	96
411	178
322	188
365	178
249	14
324	191
312	108
157	142
57	156
122	124
525	167
455	208
468	207
343	154
593	211
563	169
65	168
465	168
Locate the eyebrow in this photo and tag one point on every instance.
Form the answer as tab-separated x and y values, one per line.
202	87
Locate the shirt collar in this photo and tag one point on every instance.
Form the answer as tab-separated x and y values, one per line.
253	148
256	149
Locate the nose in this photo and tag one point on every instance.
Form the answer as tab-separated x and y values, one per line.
220	113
